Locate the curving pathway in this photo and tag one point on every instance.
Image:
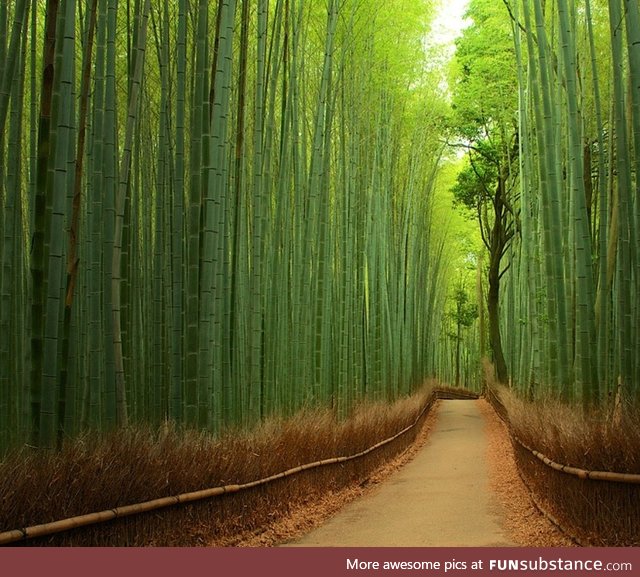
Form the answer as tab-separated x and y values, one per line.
440	499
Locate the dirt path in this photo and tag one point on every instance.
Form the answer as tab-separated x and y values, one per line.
441	498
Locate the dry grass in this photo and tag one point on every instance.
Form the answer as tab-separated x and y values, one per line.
311	513
596	512
594	441
527	526
136	465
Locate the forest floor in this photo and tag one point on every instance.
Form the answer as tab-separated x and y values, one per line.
457	486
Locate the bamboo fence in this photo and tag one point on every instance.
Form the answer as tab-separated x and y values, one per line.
70	523
568	469
590	514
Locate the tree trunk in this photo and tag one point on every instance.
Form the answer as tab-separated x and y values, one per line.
496	249
493	305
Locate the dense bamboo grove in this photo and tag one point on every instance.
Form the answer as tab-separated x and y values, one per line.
575	270
213	213
545	106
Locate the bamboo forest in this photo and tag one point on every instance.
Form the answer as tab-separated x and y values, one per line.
216	215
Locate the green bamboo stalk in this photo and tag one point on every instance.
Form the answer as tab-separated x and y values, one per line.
550	191
301	359
275	167
602	307
318	204
529	362
91	405
192	310
73	259
632	20
178	220
12	271
585	373
110	192
11	57
26	385
39	254
624	247
123	183
4	18
215	251
162	251
240	260
62	111
256	296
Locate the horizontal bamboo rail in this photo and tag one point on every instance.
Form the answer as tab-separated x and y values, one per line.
610	476
53	527
545	513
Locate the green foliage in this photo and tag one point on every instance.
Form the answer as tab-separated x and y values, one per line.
251	230
484	75
262	216
484	104
476	182
463	311
483	123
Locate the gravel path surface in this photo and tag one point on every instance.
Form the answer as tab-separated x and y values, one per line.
457	485
441	498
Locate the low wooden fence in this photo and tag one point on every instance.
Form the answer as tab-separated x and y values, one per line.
594	508
54	527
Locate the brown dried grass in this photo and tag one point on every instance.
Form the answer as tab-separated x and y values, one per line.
310	513
527	526
135	465
601	513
